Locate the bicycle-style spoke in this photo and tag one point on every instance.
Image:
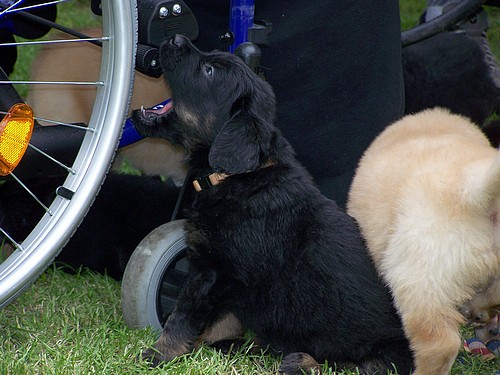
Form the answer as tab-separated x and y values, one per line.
11	240
33	195
55	122
14	9
66	124
56	41
74	83
62	165
10	8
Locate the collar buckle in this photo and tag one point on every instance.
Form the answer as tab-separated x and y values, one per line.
206	182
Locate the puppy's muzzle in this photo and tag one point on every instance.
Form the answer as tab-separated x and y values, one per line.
173	51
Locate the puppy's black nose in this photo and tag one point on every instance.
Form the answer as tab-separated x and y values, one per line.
179	40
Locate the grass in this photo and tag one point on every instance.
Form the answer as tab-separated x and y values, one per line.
72	324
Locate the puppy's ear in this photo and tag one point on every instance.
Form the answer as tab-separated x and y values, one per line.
243	141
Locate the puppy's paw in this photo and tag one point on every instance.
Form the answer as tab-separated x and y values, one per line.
153	357
166	349
298	364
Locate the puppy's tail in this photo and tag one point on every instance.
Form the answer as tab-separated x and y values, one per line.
482	183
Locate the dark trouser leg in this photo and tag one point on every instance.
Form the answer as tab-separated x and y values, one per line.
336	69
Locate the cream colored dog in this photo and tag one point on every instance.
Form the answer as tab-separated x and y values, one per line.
66	103
427	198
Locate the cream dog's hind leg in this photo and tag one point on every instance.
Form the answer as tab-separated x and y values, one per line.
430	268
431	324
429	317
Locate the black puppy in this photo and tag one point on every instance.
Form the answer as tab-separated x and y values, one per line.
264	244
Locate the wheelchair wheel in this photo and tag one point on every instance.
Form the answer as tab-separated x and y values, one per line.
154	276
27	257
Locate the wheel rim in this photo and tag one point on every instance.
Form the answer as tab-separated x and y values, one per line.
35	252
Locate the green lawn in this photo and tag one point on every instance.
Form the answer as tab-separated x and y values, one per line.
72	324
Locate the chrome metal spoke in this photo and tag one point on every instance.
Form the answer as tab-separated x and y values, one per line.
55	122
65	124
11	240
33	195
76	83
55	41
68	169
12	9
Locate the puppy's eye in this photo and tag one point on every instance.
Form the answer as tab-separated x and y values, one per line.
209	71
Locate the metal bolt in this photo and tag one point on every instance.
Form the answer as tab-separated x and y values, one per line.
227	37
163	13
177	9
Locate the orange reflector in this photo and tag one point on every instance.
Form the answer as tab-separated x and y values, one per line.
15	133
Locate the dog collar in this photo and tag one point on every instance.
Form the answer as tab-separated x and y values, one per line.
209	181
216	178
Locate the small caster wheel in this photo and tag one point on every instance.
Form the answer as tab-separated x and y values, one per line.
154	276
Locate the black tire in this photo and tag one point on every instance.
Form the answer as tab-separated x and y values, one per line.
154	276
